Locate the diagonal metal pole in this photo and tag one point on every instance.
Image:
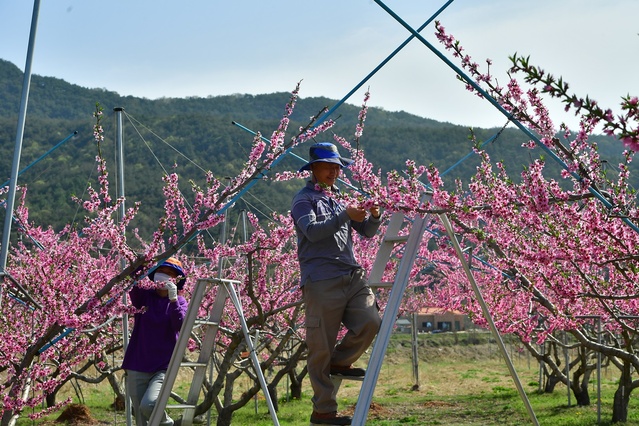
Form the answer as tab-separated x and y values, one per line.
11	196
249	342
33	163
488	318
384	62
340	102
43	156
323	117
594	191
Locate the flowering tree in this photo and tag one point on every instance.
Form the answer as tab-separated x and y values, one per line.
546	254
66	288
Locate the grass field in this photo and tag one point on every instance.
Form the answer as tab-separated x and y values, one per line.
463	381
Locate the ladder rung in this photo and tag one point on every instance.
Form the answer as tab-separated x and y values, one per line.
387	284
206	322
396	238
354	378
180	406
193	364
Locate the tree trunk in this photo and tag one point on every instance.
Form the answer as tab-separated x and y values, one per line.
582	396
224	417
18	389
50	399
296	382
580	382
228	388
272	391
296	385
551	382
118	402
622	395
8	419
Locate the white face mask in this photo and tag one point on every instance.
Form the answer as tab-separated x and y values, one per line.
161	277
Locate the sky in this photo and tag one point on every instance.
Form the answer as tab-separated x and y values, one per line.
159	48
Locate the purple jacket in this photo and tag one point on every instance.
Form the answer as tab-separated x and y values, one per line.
155	331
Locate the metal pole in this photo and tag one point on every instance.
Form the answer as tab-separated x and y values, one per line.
244	227
594	191
11	196
599	371
488	317
567	361
220	266
542	349
256	362
255	399
415	355
119	148
384	62
43	156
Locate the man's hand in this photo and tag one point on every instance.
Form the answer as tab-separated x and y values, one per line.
356	214
375	212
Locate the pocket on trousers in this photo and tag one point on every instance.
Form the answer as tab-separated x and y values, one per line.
312	322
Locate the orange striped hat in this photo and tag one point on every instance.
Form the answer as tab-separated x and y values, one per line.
174	264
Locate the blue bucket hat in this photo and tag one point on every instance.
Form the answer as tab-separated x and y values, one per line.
325	152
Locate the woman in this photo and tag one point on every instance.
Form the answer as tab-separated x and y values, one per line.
155	333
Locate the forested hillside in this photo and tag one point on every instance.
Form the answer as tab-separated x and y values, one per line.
197	134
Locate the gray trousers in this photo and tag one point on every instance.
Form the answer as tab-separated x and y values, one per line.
330	303
144	389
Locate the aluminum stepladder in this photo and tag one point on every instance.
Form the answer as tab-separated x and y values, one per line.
392	238
226	290
412	242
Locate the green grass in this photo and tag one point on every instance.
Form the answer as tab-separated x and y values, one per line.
460	384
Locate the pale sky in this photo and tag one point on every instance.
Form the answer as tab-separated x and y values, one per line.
157	48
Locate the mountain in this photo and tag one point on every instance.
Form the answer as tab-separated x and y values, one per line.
198	134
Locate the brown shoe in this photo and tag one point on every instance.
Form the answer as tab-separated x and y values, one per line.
330	419
347	371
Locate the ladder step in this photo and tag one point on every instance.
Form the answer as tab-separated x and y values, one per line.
396	238
180	406
387	284
193	364
340	377
206	322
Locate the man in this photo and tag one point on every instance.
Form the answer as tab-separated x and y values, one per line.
155	332
334	286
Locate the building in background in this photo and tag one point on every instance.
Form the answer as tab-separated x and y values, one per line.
440	320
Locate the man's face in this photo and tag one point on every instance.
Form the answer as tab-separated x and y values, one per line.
326	173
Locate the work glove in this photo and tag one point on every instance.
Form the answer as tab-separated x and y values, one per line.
172	288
